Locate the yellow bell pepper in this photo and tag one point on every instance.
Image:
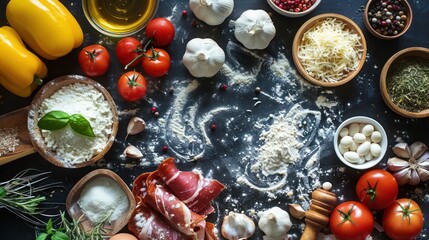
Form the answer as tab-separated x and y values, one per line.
45	25
19	68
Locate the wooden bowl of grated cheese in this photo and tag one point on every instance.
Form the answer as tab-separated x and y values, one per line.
329	50
73	94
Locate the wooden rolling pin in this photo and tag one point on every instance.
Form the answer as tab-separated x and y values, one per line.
317	217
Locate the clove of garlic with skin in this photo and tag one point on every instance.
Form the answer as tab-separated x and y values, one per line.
237	226
275	223
132	152
135	125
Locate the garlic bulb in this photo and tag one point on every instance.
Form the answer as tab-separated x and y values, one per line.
212	12
254	29
203	57
237	226
416	166
275	223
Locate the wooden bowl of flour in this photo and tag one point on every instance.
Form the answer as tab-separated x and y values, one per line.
65	147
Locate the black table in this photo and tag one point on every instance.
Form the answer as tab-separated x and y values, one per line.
235	112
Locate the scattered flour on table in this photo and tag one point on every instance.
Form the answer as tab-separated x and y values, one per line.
8	140
86	100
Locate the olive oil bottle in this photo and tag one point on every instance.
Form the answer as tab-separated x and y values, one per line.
119	17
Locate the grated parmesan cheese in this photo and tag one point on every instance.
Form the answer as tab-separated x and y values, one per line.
329	50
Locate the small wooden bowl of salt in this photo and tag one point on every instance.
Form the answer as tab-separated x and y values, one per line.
101	196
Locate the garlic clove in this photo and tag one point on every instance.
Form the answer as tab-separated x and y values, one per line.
135	125
132	152
296	210
415	179
396	164
275	223
402	150
403	176
417	149
423	158
237	226
423	174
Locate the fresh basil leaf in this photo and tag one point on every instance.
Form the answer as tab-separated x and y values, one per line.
42	236
80	125
60	236
49	228
54	120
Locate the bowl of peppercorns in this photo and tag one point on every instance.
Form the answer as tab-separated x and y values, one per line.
293	8
387	19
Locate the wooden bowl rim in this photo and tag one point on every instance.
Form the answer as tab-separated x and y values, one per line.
293	14
46	91
381	36
411	51
310	23
74	194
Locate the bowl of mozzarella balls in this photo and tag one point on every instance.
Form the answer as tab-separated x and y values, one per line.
360	142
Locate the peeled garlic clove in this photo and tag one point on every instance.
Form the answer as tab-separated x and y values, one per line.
417	149
423	174
237	226
402	150
396	164
135	125
296	210
415	179
403	176
133	152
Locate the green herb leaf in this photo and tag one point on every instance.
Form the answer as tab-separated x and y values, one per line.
54	120
80	125
60	236
3	192
49	228
42	236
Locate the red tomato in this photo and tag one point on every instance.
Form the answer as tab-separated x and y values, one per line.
403	219
377	189
157	62
352	221
132	86
127	50
161	30
94	60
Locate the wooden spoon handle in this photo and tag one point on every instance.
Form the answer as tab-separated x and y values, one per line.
17	119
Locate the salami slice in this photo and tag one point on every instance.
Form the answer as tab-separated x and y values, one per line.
192	188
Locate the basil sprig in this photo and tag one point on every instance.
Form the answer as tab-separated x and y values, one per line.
55	120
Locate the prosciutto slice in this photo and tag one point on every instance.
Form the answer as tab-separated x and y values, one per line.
193	189
147	224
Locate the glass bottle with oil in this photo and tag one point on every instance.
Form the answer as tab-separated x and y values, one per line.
119	18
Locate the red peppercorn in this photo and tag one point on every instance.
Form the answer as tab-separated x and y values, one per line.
184	13
194	23
213	127
165	148
223	87
153	109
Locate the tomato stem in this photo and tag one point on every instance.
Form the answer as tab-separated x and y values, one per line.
132	81
93	55
406	212
346	216
371	191
142	53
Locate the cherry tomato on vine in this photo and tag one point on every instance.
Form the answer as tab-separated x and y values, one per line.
94	60
351	221
132	86
403	219
161	31
377	189
127	50
156	62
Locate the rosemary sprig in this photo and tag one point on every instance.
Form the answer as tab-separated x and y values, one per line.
21	196
408	84
72	230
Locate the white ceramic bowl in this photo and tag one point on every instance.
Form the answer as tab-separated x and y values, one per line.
383	143
292	14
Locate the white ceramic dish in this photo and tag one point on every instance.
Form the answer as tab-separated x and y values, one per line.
293	14
383	143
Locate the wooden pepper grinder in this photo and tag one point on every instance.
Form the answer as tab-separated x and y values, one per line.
317	217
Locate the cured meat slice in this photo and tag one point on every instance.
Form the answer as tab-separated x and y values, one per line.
192	188
175	211
210	231
140	187
147	224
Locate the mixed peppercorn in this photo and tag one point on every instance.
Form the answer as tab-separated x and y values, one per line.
387	17
294	5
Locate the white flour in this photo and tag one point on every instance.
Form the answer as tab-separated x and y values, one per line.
86	100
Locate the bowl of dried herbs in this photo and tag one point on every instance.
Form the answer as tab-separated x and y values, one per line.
404	82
